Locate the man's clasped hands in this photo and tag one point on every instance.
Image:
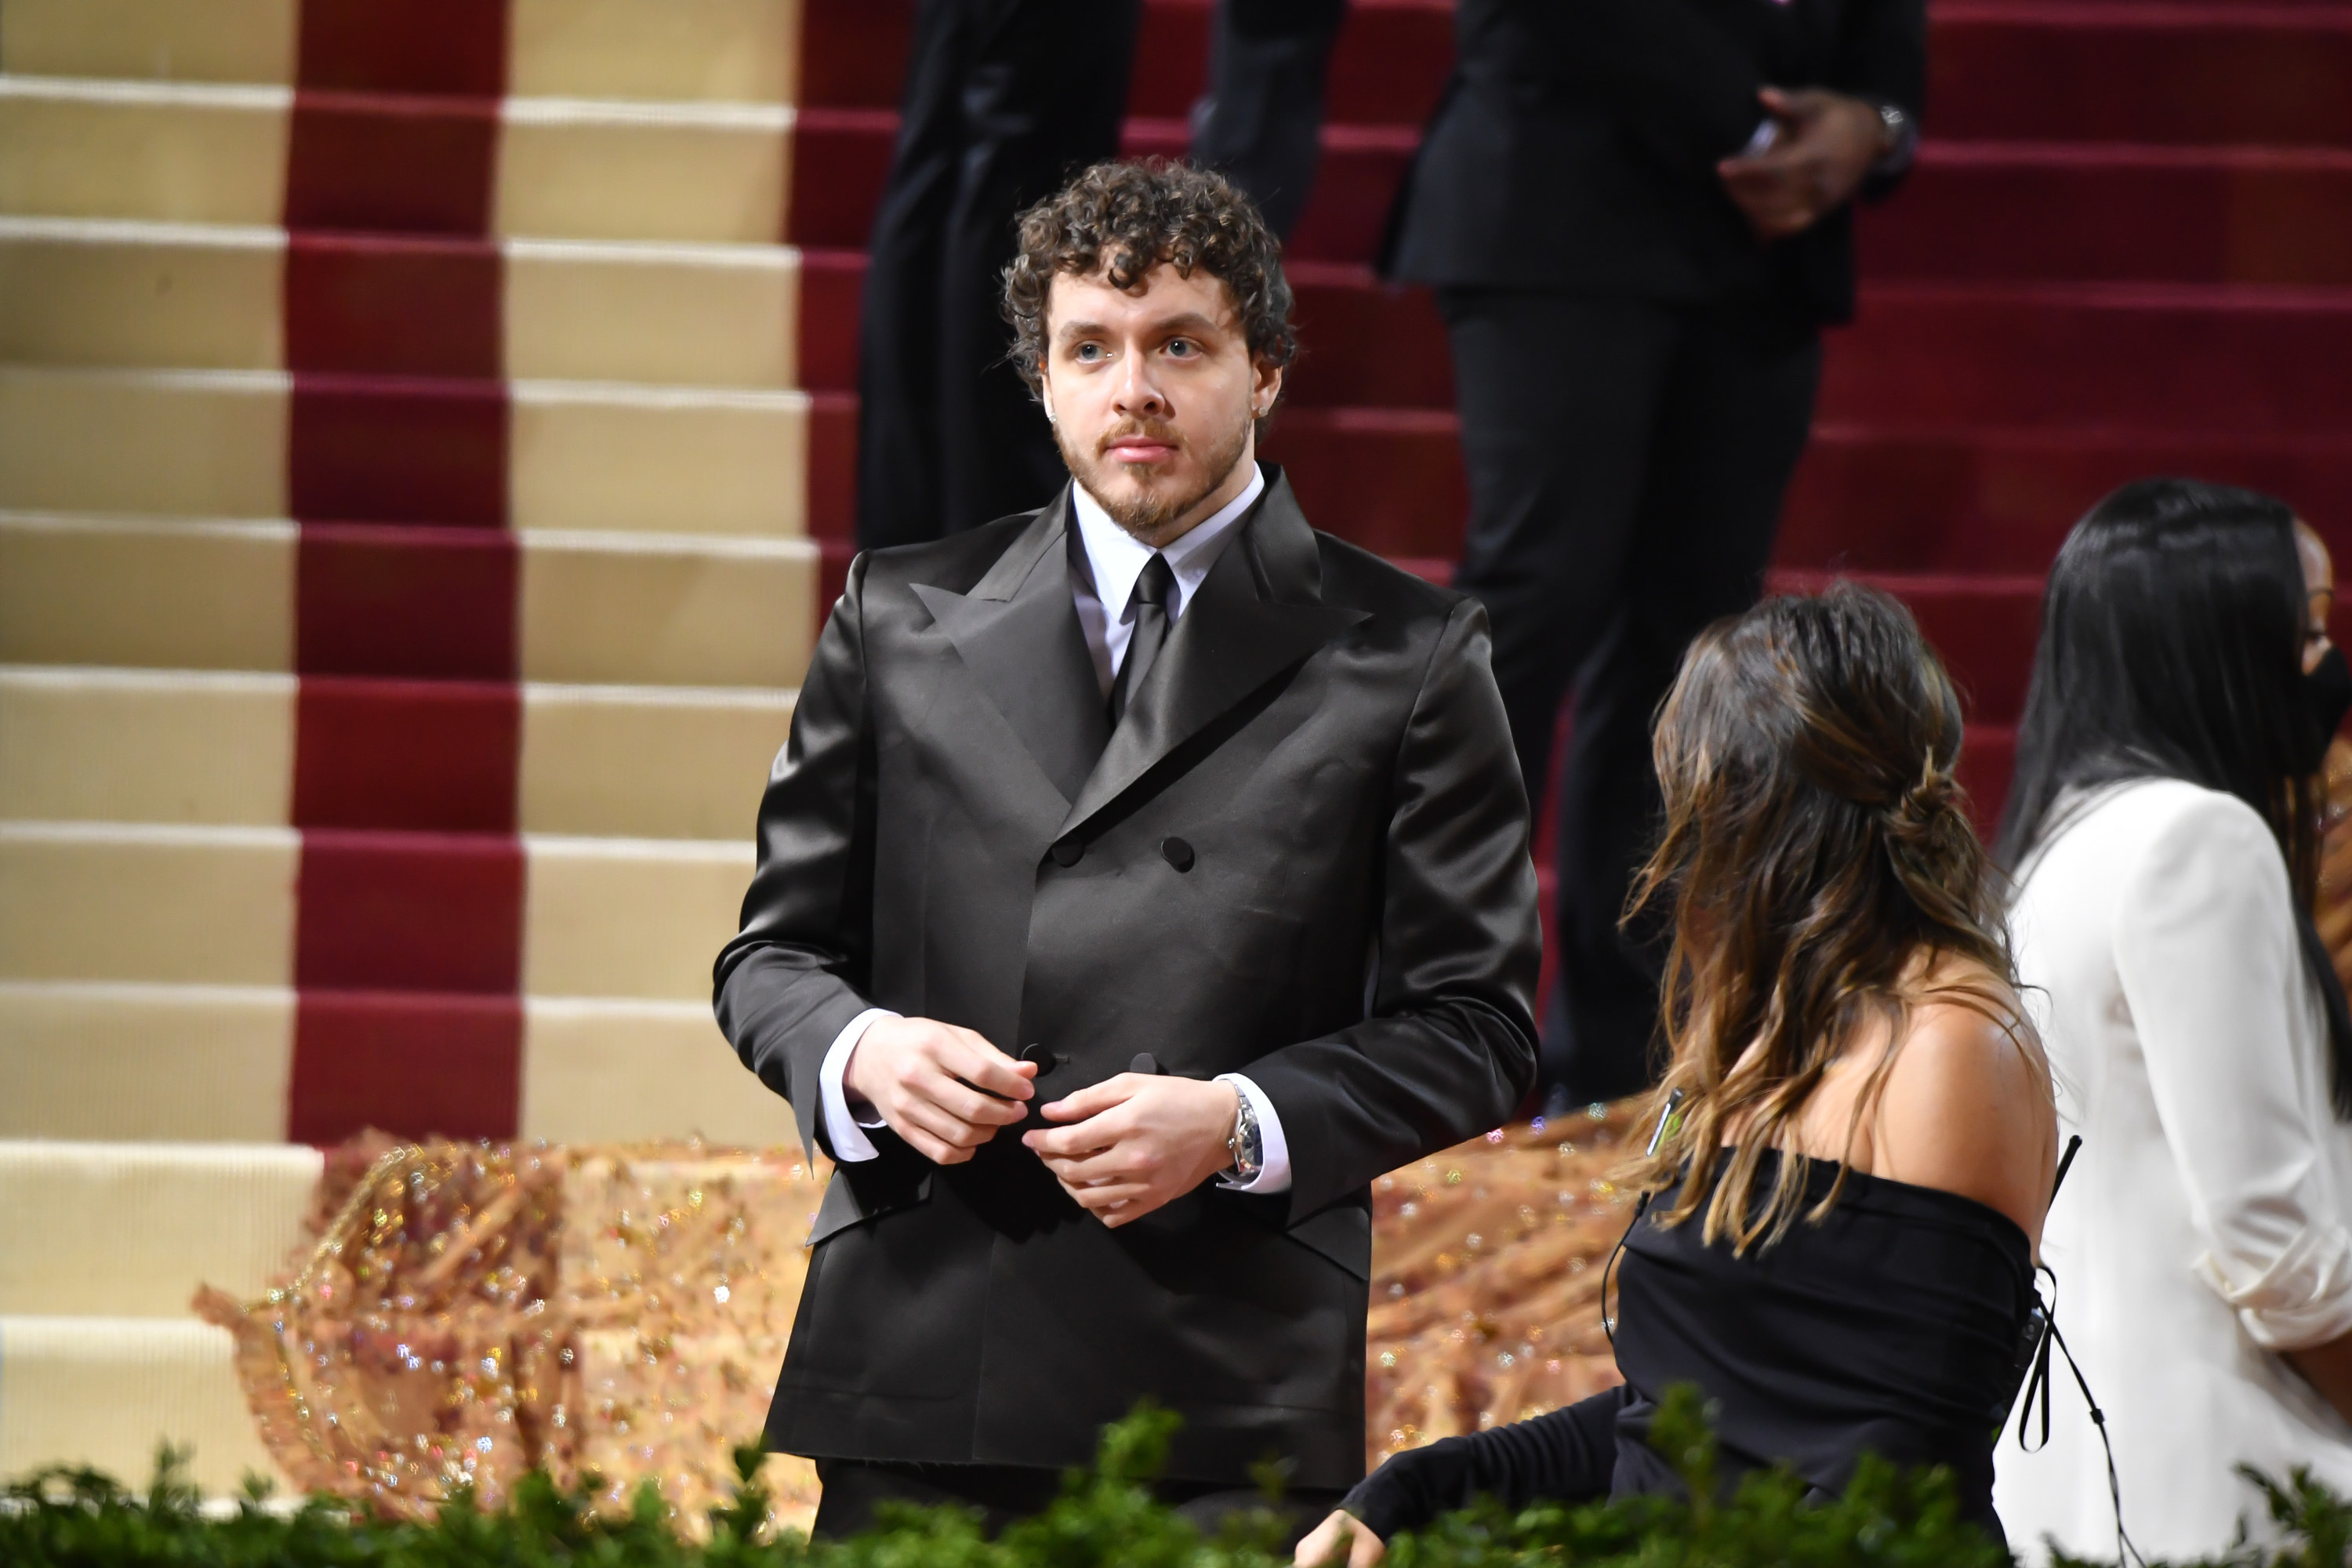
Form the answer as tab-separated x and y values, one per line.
1128	1144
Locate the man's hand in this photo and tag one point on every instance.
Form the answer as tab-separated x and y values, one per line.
1137	1141
927	1080
1341	1540
1827	142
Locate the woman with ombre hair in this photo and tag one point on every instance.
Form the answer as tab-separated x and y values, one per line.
1857	1138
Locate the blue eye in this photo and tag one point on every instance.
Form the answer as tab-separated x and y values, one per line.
1179	347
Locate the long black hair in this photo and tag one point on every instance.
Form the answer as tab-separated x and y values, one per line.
2172	637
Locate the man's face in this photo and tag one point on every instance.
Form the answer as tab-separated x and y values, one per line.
1153	396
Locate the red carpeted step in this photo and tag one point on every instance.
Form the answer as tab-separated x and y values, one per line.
1957	499
2243	361
433	756
1866	498
2208	71
412	1063
2092	212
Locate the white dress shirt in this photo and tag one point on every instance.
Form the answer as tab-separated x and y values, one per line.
2208	1224
1115	560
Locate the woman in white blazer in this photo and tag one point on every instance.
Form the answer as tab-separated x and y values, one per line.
2162	823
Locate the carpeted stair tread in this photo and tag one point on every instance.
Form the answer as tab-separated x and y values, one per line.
381	600
1868	497
86	292
727	51
104	1391
2045	211
132	1229
2135	355
124	1060
557	455
349	910
228	749
556	168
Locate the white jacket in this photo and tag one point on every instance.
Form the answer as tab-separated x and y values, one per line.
2207	1222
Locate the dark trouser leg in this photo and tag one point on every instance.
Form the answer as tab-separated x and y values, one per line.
854	1488
1043	99
1261	119
1557	393
1730	427
898	495
1004	98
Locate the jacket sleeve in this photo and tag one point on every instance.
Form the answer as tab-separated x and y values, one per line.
1881	55
2231	1035
1447	1049
1680	83
795	974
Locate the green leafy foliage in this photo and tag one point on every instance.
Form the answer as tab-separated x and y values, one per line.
1104	1517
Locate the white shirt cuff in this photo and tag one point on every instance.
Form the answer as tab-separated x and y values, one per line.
848	1134
1273	1172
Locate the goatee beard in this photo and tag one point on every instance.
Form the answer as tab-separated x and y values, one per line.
1145	516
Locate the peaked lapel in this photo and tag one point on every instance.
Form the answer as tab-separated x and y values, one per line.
1259	611
1017	632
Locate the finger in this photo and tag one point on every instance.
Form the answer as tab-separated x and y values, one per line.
1775	102
1103	1166
1104	1198
965	1103
1094	1100
938	1123
971	1058
936	1150
1062	1146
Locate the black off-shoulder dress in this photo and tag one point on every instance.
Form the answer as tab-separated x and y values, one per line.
1893	1326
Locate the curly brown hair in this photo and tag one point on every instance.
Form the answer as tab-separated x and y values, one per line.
1120	220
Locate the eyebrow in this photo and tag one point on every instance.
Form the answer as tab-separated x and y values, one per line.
1190	322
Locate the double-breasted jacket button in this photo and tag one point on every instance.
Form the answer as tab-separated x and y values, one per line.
1177	852
1066	852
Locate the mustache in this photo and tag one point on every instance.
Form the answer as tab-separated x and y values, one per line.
1149	429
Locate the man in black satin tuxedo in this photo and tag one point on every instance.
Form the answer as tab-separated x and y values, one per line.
1144	875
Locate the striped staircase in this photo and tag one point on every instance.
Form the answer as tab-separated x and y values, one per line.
410	529
404	577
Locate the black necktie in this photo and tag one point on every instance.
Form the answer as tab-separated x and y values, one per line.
1154	591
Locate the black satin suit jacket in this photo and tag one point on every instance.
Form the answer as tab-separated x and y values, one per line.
1577	145
1303	855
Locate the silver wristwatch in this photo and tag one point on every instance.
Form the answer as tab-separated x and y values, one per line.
1246	1145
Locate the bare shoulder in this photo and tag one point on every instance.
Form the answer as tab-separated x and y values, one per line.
1967	1104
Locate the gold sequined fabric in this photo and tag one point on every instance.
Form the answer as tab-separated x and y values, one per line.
1488	1263
471	1311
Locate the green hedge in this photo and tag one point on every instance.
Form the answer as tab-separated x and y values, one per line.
1104	1517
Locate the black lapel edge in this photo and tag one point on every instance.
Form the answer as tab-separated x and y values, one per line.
1259	612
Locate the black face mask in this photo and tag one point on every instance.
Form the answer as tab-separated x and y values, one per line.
2326	698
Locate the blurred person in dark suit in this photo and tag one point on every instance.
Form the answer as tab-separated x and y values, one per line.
1003	101
1637	214
1260	120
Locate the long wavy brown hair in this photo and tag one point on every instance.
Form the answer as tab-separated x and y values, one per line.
1819	860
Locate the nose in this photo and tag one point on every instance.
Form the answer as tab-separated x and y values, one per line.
1138	395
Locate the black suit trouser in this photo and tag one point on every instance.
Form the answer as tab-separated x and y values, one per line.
1261	119
1004	99
1626	461
1003	1493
